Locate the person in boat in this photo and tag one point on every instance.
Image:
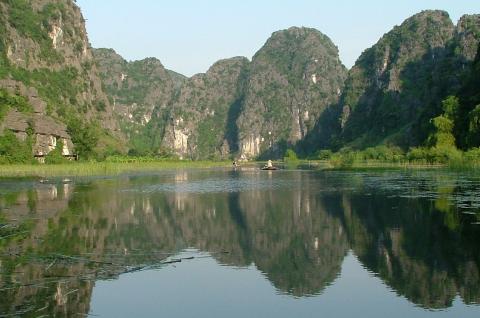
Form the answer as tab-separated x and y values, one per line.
269	166
235	164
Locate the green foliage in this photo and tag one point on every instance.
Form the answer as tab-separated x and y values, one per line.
443	134
55	156
473	155
382	153
473	135
17	102
433	155
210	135
450	107
84	137
56	87
290	156
467	120
100	105
13	151
35	25
146	140
24	20
343	159
324	154
137	159
444	155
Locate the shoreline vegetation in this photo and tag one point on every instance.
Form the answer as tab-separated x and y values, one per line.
100	168
371	158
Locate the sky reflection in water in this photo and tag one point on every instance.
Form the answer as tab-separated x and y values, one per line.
289	243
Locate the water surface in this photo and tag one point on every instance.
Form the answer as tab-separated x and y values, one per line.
214	243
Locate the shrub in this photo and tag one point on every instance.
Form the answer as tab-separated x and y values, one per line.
382	153
343	159
439	154
324	154
14	151
17	102
444	155
418	154
290	156
472	155
55	156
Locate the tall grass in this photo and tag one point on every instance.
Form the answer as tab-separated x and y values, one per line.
99	168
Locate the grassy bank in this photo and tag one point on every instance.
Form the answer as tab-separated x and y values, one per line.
362	164
382	156
100	168
105	168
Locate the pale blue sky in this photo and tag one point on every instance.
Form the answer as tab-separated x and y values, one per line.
190	35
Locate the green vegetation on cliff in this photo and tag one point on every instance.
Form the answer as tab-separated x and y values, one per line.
294	94
47	66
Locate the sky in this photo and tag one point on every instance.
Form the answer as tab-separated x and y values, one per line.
188	36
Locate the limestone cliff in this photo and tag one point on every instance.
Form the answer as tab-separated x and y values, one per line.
201	118
136	88
294	77
238	108
396	86
45	58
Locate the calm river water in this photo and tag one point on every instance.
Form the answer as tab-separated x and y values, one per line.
245	243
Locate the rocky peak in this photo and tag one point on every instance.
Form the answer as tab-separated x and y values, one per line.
135	87
396	86
293	78
467	36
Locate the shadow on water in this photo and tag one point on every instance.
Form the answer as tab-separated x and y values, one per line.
414	231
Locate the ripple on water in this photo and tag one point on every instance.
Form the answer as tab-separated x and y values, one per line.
219	185
462	190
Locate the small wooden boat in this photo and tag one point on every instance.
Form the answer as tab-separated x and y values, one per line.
269	168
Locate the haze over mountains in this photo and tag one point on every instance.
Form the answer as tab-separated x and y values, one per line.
294	93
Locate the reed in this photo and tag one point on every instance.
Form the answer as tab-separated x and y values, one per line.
100	168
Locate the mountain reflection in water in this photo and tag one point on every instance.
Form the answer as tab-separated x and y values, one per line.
415	231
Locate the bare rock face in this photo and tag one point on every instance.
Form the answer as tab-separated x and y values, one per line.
136	88
139	91
252	109
294	77
236	108
295	93
201	118
45	57
467	35
46	130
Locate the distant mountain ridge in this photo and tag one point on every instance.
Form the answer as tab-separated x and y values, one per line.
294	93
247	108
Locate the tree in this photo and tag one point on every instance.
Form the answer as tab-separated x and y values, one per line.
450	106
442	141
56	155
443	134
473	135
84	138
290	156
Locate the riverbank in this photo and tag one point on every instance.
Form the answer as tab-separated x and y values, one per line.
77	169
